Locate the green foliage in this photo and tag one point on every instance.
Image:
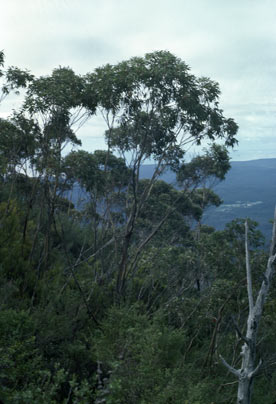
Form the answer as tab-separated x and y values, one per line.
127	297
13	78
60	91
2	58
17	138
154	99
142	357
99	172
213	165
17	78
20	360
14	267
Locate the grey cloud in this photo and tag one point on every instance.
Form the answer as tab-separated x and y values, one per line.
93	52
232	42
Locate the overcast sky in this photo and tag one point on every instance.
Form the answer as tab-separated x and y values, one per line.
230	41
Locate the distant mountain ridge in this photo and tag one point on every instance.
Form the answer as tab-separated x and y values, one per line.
249	190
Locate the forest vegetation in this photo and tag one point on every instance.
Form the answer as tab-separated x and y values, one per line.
126	297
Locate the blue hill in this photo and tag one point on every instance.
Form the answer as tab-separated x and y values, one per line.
249	190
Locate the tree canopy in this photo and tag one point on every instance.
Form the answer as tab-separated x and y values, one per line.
112	289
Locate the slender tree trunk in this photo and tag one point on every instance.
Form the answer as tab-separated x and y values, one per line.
248	369
248	354
246	376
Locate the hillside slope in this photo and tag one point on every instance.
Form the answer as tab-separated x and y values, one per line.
249	190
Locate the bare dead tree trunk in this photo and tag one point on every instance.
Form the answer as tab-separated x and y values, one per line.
248	369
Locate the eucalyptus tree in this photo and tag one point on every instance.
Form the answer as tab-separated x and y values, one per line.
53	109
12	145
12	79
56	104
104	178
154	108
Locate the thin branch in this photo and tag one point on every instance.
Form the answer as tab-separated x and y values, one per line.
253	373
242	337
229	367
80	261
273	238
248	271
148	238
229	384
72	270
